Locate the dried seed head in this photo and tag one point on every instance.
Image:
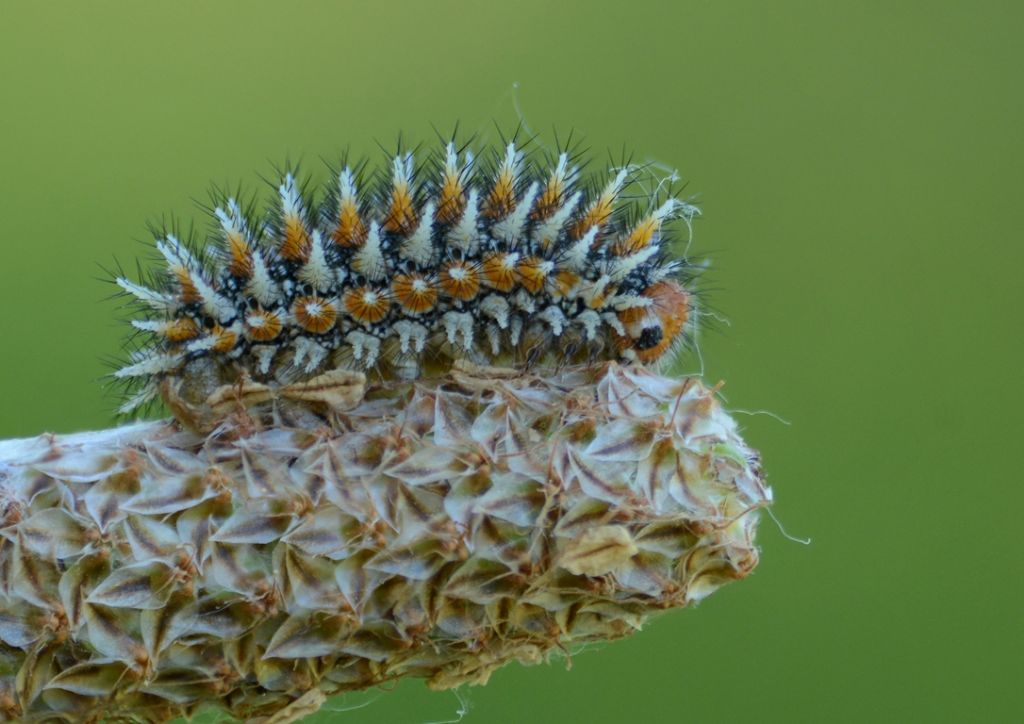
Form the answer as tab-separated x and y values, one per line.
432	529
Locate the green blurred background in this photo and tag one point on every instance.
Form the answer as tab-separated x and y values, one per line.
860	171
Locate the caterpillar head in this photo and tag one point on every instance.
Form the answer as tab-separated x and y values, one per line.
653	329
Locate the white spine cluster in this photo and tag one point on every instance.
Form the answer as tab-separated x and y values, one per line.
369	260
419	247
466	234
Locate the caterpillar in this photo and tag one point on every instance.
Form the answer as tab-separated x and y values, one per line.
498	259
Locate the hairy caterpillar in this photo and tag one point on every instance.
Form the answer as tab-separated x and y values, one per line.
398	274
